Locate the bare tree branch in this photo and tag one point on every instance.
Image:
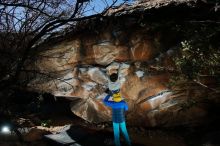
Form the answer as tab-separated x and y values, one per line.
26	6
26	24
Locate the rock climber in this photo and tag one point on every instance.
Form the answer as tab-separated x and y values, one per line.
119	106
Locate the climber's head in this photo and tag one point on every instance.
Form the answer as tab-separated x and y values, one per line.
117	97
113	77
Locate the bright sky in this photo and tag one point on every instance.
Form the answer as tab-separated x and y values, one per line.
100	5
92	7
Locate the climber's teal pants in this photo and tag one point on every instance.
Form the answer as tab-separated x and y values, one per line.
117	133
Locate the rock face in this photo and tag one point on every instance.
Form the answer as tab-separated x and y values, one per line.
77	68
83	80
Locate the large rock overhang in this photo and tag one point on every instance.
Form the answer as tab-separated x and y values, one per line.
74	65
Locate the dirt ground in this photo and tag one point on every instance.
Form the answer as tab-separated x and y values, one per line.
52	118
